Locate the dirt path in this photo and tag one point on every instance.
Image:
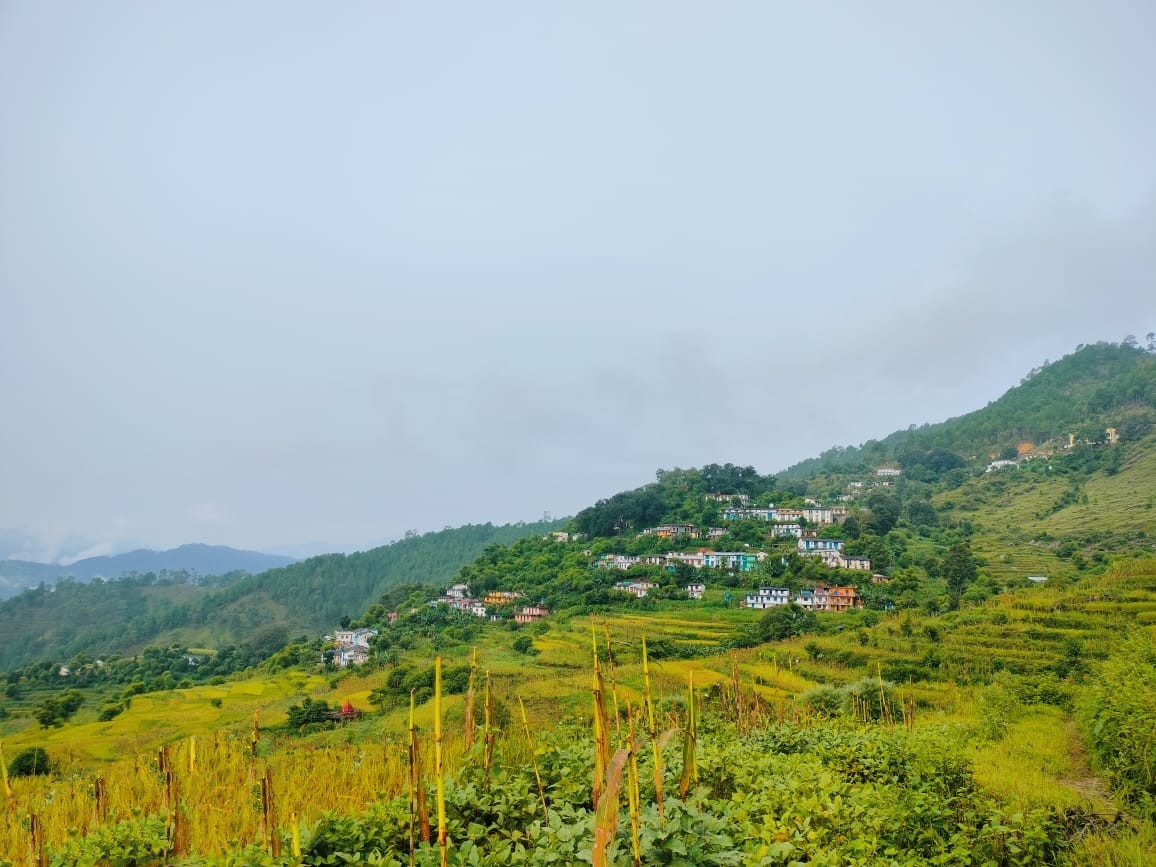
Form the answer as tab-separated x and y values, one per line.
1084	780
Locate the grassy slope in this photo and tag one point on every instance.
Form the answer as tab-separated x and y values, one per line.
1021	632
1018	537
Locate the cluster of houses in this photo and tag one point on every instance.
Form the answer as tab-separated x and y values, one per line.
830	551
689	531
352	646
739	561
458	597
822	598
815	515
641	588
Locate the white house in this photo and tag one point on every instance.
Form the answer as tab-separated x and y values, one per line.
350	656
617	561
733	514
695	591
638	588
744	561
782	531
741	499
819	515
888	471
768	597
813	544
690	558
1000	465
354	637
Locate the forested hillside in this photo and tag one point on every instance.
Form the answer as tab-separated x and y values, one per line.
304	598
1096	387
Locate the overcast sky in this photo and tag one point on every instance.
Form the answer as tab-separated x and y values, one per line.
277	274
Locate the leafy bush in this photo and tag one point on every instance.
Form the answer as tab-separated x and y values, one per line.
30	762
132	843
308	713
826	701
111	711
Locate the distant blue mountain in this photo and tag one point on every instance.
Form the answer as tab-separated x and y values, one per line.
15	575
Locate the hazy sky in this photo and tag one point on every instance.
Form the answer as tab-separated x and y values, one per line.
275	273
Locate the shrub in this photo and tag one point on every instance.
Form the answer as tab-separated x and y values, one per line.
309	712
128	843
826	701
524	644
30	762
111	711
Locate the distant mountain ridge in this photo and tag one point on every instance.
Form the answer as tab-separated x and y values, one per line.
197	558
302	598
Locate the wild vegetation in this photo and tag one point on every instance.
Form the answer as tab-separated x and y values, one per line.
954	738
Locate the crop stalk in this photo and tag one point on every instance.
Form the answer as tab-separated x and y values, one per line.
635	797
600	724
653	732
534	758
416	782
469	722
443	843
488	735
613	683
689	765
606	816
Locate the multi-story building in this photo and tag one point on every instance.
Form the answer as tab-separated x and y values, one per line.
768	597
530	613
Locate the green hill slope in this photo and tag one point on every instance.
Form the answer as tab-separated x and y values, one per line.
1098	386
1038	520
303	598
1078	501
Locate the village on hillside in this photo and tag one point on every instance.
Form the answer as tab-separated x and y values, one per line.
800	524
